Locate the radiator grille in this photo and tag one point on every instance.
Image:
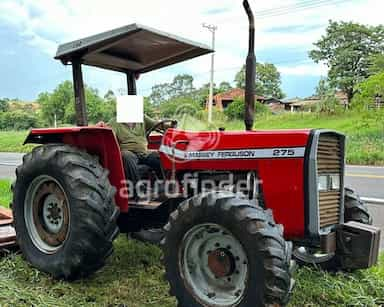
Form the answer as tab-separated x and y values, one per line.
329	161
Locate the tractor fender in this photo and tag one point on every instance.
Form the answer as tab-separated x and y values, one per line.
97	141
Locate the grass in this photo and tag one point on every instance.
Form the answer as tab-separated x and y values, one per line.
133	277
5	194
12	141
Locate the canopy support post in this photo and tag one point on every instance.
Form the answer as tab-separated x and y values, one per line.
78	85
131	83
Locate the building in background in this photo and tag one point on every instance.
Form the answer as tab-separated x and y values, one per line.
222	100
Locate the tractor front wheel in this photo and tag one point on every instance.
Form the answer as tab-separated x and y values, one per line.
355	209
65	216
222	250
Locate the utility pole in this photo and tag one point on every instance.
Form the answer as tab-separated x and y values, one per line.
212	29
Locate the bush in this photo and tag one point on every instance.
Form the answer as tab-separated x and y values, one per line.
179	107
329	105
217	115
368	90
237	108
18	120
4	106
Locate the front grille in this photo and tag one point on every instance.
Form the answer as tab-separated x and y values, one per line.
329	161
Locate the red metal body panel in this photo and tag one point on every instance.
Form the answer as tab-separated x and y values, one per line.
155	141
97	141
282	179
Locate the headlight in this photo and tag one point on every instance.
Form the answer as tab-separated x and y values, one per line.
323	183
329	182
335	182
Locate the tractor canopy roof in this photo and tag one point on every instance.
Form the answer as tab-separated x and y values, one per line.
133	48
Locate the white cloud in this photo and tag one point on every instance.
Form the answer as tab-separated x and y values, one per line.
304	70
45	23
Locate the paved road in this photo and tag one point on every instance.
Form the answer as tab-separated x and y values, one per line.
368	180
8	163
377	212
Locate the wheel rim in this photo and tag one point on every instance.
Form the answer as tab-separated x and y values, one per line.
46	214
308	255
214	265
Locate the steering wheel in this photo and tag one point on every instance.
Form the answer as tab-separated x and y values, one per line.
157	126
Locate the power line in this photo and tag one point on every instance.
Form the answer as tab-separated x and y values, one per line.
290	6
278	11
285	10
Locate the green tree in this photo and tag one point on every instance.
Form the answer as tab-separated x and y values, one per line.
149	108
179	107
224	87
376	64
160	93
55	104
110	96
201	94
346	49
4	105
268	80
323	88
61	104
237	108
18	120
369	90
98	109
328	102
182	85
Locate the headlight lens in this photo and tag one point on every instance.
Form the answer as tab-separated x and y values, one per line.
329	182
335	182
323	183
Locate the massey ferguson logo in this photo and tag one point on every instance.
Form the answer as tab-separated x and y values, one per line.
296	152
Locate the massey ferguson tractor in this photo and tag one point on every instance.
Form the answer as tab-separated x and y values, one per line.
224	245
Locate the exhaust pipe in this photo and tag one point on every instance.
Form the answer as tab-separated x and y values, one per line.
250	72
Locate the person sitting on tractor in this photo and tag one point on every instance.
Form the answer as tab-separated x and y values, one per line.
132	138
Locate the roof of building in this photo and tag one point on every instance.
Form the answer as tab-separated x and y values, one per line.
305	102
234	93
135	48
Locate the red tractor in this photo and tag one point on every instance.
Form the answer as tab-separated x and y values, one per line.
223	245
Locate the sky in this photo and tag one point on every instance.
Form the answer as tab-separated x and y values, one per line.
31	30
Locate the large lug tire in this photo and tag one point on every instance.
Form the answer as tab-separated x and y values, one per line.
354	210
64	211
222	250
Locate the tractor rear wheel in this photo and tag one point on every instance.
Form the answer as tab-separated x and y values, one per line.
64	210
354	210
222	250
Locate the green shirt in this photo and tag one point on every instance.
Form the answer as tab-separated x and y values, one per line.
131	137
